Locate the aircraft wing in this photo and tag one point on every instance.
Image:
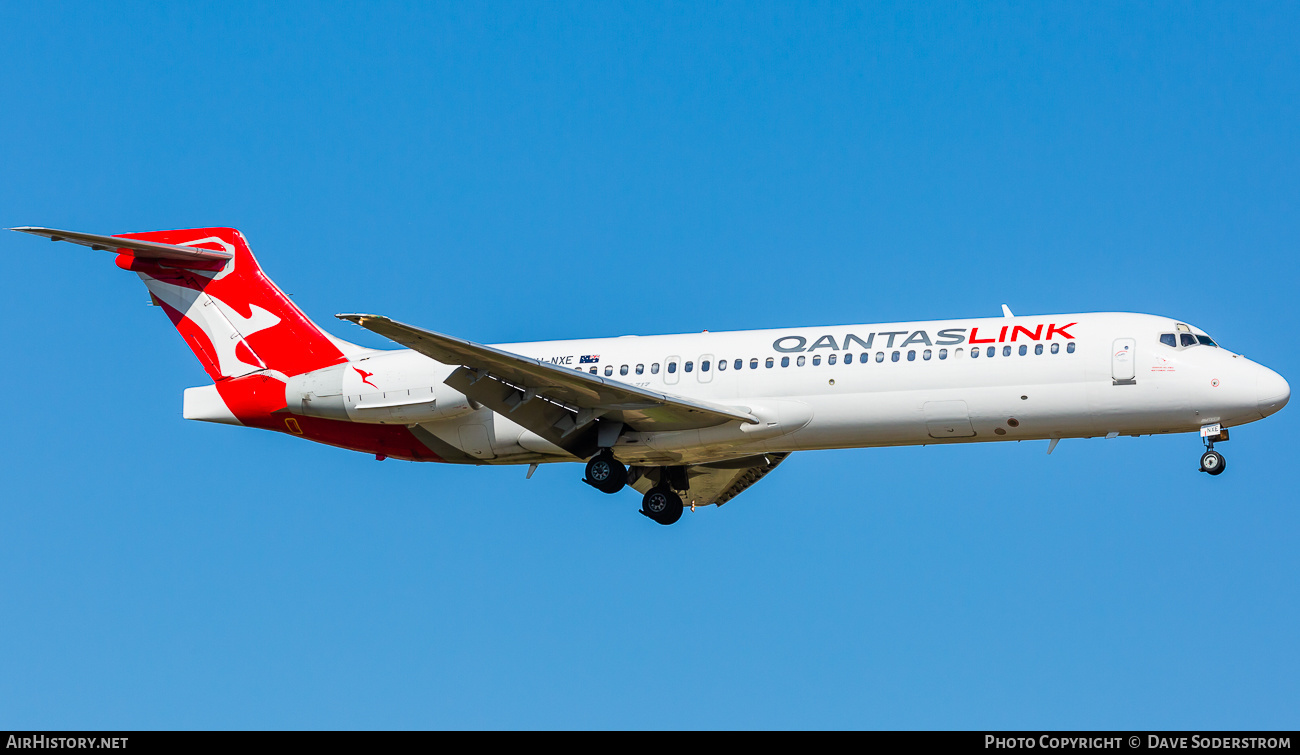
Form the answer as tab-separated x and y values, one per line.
719	483
558	403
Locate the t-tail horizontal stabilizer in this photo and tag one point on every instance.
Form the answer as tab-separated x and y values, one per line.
143	249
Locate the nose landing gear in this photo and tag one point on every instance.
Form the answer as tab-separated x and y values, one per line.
1212	462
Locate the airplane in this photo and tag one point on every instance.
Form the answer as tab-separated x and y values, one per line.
691	419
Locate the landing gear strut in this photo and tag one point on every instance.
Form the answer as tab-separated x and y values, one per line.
662	505
1212	461
605	473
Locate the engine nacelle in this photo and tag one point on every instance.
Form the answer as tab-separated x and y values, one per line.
395	388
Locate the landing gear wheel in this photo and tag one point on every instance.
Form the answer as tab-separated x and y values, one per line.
662	505
605	473
1213	463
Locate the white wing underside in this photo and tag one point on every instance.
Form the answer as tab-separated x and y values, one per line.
710	484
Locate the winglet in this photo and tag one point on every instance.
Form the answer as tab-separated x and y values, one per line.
1006	311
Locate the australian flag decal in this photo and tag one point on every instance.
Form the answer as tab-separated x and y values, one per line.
589	359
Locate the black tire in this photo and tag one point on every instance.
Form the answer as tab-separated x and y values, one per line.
606	474
1212	462
662	505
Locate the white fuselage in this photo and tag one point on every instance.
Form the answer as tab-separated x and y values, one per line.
1055	376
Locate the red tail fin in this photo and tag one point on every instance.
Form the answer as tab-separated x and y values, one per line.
232	316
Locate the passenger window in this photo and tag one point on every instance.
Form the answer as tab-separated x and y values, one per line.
690	366
593	370
799	362
770	363
1038	349
640	368
880	357
785	361
1187	338
741	363
975	352
753	364
722	364
958	354
893	357
911	355
943	353
1069	347
672	367
622	370
609	370
848	359
1056	347
1168	339
866	357
1006	351
654	369
926	355
1023	349
993	351
831	359
704	366
817	359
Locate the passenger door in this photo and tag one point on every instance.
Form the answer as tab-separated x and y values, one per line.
1123	361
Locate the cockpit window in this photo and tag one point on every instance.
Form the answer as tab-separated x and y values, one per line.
1186	338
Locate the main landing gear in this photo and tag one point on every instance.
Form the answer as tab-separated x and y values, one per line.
1212	461
605	473
662	505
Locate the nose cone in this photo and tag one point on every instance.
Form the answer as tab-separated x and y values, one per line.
1272	390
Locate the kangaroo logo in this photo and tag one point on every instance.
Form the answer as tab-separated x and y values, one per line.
365	377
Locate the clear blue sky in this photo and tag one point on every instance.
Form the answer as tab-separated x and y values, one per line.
510	172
